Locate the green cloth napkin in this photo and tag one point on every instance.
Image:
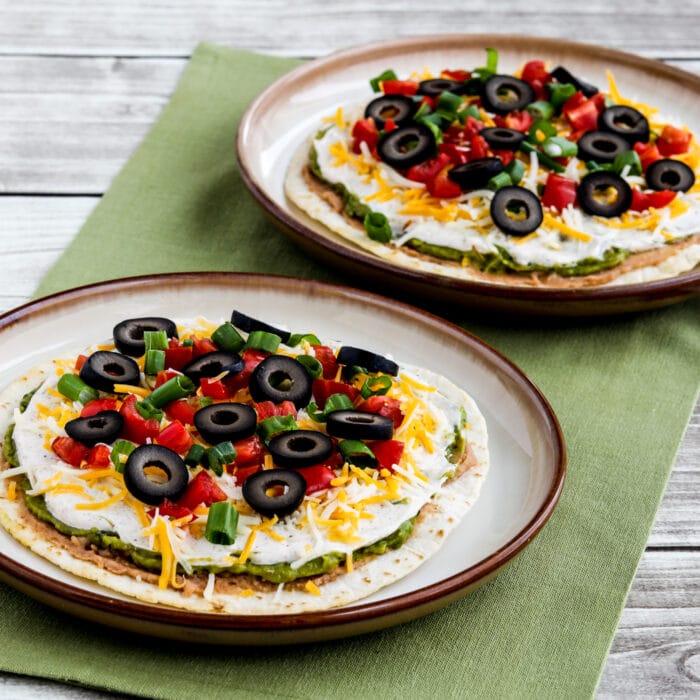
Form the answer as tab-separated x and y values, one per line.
623	390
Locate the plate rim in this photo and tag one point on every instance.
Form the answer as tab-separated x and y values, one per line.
651	293
446	589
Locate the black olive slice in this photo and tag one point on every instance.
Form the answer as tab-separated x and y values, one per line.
669	174
153	472
212	364
104	426
501	138
399	108
128	335
561	75
601	146
220	422
103	369
407	146
300	448
504	93
516	211
476	173
280	378
250	324
359	425
436	86
274	492
602	193
626	122
370	361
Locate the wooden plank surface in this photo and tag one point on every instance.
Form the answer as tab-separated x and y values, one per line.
81	84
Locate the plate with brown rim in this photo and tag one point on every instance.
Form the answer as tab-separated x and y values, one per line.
526	445
283	117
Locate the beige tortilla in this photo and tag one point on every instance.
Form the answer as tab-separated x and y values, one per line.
245	594
325	206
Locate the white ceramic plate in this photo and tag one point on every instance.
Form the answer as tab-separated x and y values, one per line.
291	109
526	444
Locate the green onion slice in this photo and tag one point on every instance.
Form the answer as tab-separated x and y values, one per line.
544	159
297	338
74	388
222	523
262	340
315	413
155	340
503	179
337	402
559	147
195	455
311	365
449	102
541	110
628	158
379	385
386	75
227	338
154	363
560	93
120	453
147	410
377	227
269	427
218	456
540	131
516	170
175	388
357	453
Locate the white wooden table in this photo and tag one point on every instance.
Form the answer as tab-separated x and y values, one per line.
81	83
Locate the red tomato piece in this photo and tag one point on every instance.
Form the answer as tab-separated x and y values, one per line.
317	477
242	473
456	153
387	452
169	509
459	75
79	362
98	457
505	156
399	87
520	121
70	451
266	409
251	359
137	428
464	134
648	200
177	356
535	70
647	153
165	375
384	406
323	388
97	406
442	187
574	101
389	125
428	169
673	141
175	437
326	357
480	148
559	192
202	489
583	116
364	130
182	410
216	389
202	346
249	451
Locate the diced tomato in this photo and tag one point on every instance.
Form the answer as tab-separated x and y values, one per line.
216	389
317	477
182	410
323	388
427	100
464	134
70	451
249	451
267	409
520	121
647	200
399	87
202	489
169	509
387	452
442	187
137	428
480	148
98	457
79	362
242	473
384	406
202	346
326	357
389	125
177	356
647	153
574	101
535	73
97	406
251	359
583	116
428	169
364	130
175	437
165	375
459	75
457	154
505	156
673	141
559	192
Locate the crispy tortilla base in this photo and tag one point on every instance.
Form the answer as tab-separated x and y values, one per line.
245	594
319	202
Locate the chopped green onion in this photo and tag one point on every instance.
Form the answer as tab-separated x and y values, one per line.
262	340
222	523
592	166
269	427
337	402
357	453
498	181
378	386
74	388
195	455
297	338
227	338
516	170
492	60
559	147
120	453
218	456
560	93
540	131
543	158
147	410
187	343
541	110
449	102
433	122
471	111
377	227
154	363
205	401
311	365
628	158
315	413
423	110
155	340
175	388
386	75
350	371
